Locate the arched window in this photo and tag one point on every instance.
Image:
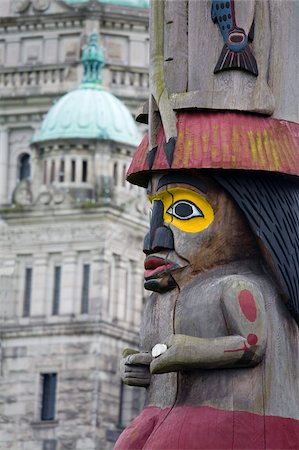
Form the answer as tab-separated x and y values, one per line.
24	167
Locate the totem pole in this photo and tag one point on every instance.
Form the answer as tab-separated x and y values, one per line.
219	352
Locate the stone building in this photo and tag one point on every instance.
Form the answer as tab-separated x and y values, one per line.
71	229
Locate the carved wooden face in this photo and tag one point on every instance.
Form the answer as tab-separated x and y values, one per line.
195	226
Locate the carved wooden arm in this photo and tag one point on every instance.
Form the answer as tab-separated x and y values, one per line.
244	345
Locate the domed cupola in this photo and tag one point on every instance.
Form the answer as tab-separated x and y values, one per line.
87	136
89	112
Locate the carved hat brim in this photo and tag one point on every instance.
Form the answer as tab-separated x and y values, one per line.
221	140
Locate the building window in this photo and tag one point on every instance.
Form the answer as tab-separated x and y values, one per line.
24	167
52	174
85	289
84	171
131	402
61	171
49	381
115	174
45	172
27	292
73	170
56	290
124	175
49	444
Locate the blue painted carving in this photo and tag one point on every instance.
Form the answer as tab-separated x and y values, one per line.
236	53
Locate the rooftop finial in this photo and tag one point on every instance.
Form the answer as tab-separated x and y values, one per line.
92	60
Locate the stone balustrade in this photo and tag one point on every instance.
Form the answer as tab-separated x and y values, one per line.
58	79
16	81
122	76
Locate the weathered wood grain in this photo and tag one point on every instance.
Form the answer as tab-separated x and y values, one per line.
176	45
274	46
157	74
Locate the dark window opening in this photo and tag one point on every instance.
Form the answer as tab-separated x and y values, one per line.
24	167
73	171
52	175
85	289
45	172
27	292
130	403
84	171
49	444
49	381
61	171
115	174
124	175
56	290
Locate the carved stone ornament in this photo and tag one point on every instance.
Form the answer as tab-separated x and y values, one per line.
52	196
22	194
41	5
19	6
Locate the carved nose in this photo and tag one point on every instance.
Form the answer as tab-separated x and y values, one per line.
162	240
159	236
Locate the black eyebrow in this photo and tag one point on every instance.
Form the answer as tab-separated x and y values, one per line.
186	179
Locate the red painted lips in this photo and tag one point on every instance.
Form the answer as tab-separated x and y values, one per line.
154	265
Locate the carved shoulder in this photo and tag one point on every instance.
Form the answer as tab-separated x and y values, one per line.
243	307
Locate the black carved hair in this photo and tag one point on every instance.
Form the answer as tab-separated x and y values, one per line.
271	204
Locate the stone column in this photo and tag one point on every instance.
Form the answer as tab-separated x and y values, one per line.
100	285
78	169
50	48
39	281
13	51
121	305
137	51
129	312
67	169
37	172
8	283
113	283
57	168
3	165
69	287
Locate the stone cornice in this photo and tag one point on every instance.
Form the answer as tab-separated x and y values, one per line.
67	328
17	120
127	17
46	227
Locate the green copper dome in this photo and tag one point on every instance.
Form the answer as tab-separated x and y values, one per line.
127	3
89	112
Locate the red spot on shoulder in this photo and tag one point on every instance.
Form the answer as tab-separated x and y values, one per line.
247	305
252	339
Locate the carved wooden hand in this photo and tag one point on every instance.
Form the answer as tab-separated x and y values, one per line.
134	368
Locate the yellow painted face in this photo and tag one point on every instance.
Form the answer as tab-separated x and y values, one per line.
185	209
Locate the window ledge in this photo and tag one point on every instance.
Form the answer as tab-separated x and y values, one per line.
45	424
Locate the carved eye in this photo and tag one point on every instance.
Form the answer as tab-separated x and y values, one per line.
236	38
184	209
